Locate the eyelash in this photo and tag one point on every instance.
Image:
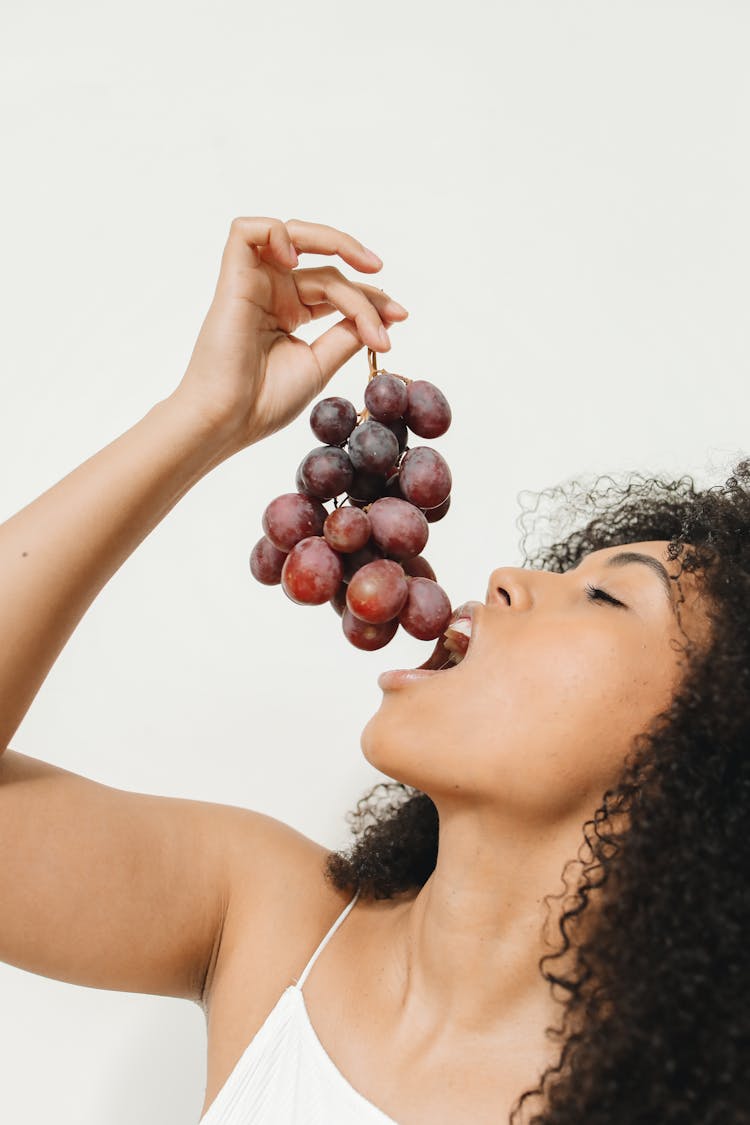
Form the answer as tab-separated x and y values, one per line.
595	594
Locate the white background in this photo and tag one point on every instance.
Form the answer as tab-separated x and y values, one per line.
559	192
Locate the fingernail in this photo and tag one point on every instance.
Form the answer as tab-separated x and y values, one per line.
398	308
373	255
383	336
293	258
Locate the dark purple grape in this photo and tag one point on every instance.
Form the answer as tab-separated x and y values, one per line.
427	413
292	517
366	487
363	634
377	591
312	572
338	601
392	487
419	568
355	560
424	477
385	397
432	515
299	484
346	529
326	472
333	419
402	434
398	528
266	562
372	447
426	611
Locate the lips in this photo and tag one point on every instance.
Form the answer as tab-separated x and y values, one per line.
453	643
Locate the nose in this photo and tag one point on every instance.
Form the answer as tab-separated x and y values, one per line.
510	586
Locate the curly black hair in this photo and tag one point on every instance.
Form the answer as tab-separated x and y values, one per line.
656	1016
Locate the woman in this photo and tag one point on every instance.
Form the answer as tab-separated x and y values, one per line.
599	716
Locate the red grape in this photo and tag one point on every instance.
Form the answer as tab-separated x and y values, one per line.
333	419
366	487
266	562
427	413
346	529
365	634
312	572
398	528
326	472
426	611
338	601
292	517
432	515
393	488
377	592
373	448
386	397
419	568
357	559
424	477
399	429
299	483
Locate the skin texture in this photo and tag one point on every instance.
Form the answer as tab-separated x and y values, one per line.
515	747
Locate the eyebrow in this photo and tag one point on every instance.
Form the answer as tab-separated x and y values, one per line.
625	557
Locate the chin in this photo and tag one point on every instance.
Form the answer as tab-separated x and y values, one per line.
397	747
375	743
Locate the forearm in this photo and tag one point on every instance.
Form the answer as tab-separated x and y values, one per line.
58	552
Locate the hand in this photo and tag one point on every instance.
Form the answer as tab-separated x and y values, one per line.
248	375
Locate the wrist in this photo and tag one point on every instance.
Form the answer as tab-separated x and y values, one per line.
210	437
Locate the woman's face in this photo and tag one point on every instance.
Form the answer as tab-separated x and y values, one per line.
539	716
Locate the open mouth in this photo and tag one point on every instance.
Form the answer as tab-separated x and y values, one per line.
453	643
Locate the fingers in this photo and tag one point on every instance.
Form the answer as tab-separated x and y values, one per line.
367	310
390	311
366	306
323	309
335	347
316	238
248	237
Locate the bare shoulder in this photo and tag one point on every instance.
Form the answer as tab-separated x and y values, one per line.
278	901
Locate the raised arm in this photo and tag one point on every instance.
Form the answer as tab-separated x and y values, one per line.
97	885
58	552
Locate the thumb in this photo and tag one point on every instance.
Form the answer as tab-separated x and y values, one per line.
337	345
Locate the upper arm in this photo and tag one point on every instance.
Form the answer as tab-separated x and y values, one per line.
118	890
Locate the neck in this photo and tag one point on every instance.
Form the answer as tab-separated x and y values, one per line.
469	944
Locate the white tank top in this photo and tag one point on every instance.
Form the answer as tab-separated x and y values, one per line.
285	1076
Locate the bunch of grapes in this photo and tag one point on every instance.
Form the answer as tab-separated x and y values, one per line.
364	556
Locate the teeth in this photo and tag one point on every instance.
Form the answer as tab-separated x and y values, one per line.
453	642
457	636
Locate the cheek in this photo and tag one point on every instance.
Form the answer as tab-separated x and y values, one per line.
540	733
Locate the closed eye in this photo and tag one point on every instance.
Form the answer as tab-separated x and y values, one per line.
594	593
